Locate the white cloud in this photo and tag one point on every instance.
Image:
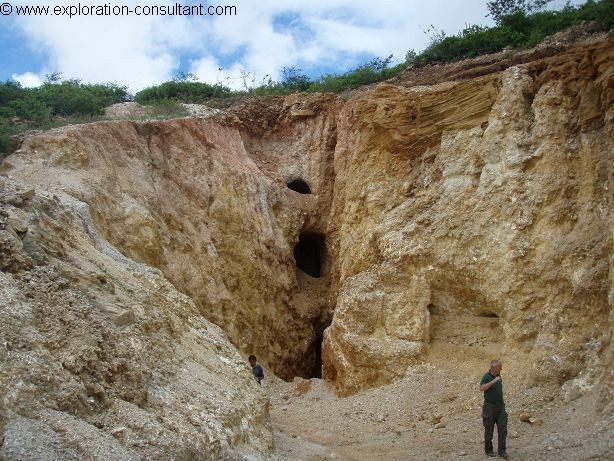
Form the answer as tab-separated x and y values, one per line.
28	79
141	51
122	50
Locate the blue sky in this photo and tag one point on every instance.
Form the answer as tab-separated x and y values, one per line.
319	36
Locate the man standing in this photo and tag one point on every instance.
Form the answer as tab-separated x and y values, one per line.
493	410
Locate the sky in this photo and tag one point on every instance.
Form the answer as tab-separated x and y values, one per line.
316	36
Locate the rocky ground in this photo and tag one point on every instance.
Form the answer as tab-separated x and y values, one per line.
434	414
136	111
101	358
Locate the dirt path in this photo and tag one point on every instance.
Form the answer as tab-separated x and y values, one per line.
434	414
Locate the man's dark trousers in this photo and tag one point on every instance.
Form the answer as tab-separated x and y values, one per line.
494	413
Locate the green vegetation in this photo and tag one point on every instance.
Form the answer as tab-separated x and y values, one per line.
294	81
70	97
520	24
5	140
497	9
181	91
374	71
516	30
52	104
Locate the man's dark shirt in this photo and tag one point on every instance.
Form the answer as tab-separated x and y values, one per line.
495	393
258	373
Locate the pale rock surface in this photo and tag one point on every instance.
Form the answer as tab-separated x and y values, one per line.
488	198
131	110
205	201
102	358
474	212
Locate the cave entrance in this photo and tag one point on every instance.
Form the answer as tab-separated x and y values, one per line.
300	186
313	355
309	253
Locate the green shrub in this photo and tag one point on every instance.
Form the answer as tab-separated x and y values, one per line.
293	80
410	56
9	91
31	107
498	9
5	138
182	91
470	42
71	97
27	108
271	88
515	30
374	71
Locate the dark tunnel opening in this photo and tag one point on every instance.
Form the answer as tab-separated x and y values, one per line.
300	186
313	357
309	254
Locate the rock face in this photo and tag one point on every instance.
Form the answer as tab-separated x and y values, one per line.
206	202
102	357
394	215
488	197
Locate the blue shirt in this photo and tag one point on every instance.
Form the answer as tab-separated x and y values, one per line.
258	373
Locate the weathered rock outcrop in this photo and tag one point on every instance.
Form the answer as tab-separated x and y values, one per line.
187	197
491	197
414	207
102	358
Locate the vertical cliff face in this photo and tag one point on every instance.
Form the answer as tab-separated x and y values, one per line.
205	207
207	202
400	216
488	198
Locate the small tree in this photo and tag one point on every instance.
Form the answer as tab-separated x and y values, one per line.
435	35
378	64
53	77
294	79
499	8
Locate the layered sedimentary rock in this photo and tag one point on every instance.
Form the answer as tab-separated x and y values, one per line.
490	197
487	197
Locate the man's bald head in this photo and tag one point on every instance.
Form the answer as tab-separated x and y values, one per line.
495	367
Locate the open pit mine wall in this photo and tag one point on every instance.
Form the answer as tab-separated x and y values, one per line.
486	197
205	201
101	357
